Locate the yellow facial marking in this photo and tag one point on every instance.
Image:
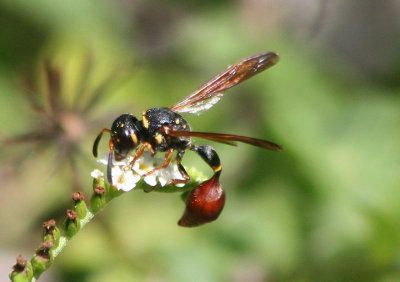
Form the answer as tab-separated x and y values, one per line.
134	138
145	122
184	126
122	125
159	138
177	121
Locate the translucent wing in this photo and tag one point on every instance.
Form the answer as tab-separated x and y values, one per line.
229	139
210	93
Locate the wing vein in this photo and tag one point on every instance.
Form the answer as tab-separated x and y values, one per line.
210	93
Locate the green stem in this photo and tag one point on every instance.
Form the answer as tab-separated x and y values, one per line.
55	241
64	239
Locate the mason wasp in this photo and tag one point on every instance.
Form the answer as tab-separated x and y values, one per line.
165	130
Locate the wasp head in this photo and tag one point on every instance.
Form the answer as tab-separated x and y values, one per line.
125	135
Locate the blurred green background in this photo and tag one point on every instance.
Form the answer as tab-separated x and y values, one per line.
325	209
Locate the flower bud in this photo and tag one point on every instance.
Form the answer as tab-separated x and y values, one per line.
71	223
99	181
204	203
22	270
42	258
51	232
98	200
79	204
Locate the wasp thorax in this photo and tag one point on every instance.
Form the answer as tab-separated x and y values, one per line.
125	135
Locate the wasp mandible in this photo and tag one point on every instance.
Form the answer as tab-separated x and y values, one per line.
165	130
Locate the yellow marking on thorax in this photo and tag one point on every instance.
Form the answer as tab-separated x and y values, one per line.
159	138
177	120
122	125
134	138
145	122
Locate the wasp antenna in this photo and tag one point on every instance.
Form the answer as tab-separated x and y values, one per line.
109	162
96	142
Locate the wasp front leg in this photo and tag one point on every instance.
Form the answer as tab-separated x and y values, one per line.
139	153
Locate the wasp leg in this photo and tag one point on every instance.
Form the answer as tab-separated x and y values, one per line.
181	170
139	153
168	158
109	161
209	155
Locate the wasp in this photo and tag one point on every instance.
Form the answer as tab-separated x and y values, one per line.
165	130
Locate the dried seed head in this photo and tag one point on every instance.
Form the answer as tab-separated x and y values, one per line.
20	265
47	245
99	190
72	215
44	248
49	225
77	196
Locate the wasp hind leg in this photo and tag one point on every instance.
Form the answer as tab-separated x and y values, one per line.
181	169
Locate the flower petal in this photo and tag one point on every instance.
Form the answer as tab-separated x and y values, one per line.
125	176
96	174
124	180
151	180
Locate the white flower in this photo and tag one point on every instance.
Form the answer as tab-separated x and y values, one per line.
124	180
96	174
145	164
104	160
169	174
125	177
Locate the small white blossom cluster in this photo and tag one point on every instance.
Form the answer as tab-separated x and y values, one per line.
125	177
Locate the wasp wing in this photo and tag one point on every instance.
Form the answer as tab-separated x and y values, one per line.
229	139
210	93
